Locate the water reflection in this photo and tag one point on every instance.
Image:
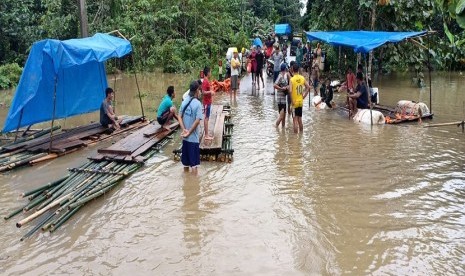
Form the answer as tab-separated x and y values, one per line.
192	213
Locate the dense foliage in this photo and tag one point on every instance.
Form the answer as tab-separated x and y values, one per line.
445	17
182	35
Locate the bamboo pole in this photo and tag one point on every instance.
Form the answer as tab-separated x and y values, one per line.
53	114
44	187
368	90
137	84
13	213
92	196
64	219
37	227
38	200
41	211
429	75
458	123
44	158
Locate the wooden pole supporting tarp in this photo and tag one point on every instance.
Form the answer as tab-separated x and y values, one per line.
368	89
19	123
53	114
137	84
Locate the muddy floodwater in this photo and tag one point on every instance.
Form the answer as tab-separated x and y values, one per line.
340	198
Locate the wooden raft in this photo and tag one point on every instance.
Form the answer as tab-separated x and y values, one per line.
215	129
390	112
219	127
131	148
393	119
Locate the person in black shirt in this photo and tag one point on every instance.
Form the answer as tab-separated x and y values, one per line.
326	92
359	98
107	115
260	59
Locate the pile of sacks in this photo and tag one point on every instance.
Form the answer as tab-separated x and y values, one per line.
410	108
224	86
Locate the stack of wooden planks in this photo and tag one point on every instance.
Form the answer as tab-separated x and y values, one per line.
45	147
130	149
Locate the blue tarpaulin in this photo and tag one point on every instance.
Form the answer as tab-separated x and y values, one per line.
282	29
361	41
258	42
75	66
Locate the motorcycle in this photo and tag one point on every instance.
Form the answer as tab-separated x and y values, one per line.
270	66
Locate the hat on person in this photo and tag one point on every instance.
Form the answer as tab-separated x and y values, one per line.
234	51
193	88
283	67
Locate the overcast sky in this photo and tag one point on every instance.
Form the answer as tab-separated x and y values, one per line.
302	12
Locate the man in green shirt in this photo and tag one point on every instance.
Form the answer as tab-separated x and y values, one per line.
166	109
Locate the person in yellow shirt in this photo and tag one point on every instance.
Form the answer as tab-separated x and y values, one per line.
235	66
299	88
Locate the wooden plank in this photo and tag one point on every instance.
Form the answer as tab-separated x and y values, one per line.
160	129
219	130
43	141
214	109
82	128
70	141
69	145
105	136
156	139
97	157
213	124
131	142
83	131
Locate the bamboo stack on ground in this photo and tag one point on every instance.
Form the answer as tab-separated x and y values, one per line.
57	201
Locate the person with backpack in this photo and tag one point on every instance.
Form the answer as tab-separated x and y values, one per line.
282	87
189	119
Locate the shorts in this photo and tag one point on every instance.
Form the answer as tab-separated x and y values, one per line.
163	118
235	82
281	107
315	84
207	109
298	111
190	154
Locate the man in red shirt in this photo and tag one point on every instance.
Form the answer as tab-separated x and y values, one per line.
207	100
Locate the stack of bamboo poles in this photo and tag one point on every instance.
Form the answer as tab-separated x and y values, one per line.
11	160
57	201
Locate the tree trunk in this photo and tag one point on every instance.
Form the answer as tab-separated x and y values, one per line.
373	20
83	18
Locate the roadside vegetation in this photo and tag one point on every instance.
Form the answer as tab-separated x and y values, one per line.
182	36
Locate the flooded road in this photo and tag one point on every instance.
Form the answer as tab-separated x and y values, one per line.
340	198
